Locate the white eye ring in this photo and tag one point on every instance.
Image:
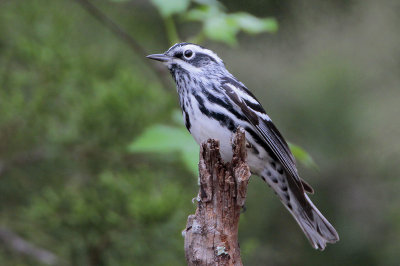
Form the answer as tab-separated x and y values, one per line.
188	54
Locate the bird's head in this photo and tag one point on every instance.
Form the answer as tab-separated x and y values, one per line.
190	58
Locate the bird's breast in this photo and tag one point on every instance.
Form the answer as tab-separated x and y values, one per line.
206	120
204	127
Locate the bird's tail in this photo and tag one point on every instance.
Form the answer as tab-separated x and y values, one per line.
314	225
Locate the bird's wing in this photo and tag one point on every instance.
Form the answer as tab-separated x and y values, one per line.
256	115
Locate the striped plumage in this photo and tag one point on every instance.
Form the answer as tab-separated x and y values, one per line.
214	103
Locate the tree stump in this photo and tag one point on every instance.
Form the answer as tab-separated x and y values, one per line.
211	234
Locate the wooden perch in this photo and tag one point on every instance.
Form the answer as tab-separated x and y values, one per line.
211	234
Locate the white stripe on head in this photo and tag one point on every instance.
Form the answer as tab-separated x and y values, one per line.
182	47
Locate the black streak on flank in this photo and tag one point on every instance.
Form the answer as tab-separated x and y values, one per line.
255	150
187	120
221	102
223	120
231	125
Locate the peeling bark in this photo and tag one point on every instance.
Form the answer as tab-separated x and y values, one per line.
211	234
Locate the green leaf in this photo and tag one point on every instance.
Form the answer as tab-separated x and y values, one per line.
203	13
217	25
190	158
167	139
170	7
208	3
254	25
302	156
221	28
161	138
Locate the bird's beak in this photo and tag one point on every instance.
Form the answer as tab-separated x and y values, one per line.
159	57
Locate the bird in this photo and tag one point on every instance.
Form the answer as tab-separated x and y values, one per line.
214	104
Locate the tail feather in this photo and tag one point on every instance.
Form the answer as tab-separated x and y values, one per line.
315	226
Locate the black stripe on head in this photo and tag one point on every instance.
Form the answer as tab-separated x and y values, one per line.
198	60
201	59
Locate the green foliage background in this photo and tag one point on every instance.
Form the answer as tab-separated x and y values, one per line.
73	99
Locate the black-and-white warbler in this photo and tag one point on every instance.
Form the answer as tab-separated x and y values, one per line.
214	103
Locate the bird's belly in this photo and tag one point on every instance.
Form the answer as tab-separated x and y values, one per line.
205	128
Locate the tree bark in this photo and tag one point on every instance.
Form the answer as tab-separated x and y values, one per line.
211	234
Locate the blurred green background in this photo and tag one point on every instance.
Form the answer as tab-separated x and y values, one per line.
74	96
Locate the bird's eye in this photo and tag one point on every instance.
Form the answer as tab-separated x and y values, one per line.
188	54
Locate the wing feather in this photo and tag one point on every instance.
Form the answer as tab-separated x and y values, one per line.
265	129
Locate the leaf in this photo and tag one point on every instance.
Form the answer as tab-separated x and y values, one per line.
217	25
160	138
167	139
221	28
170	7
302	156
208	3
203	13
254	25
190	157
